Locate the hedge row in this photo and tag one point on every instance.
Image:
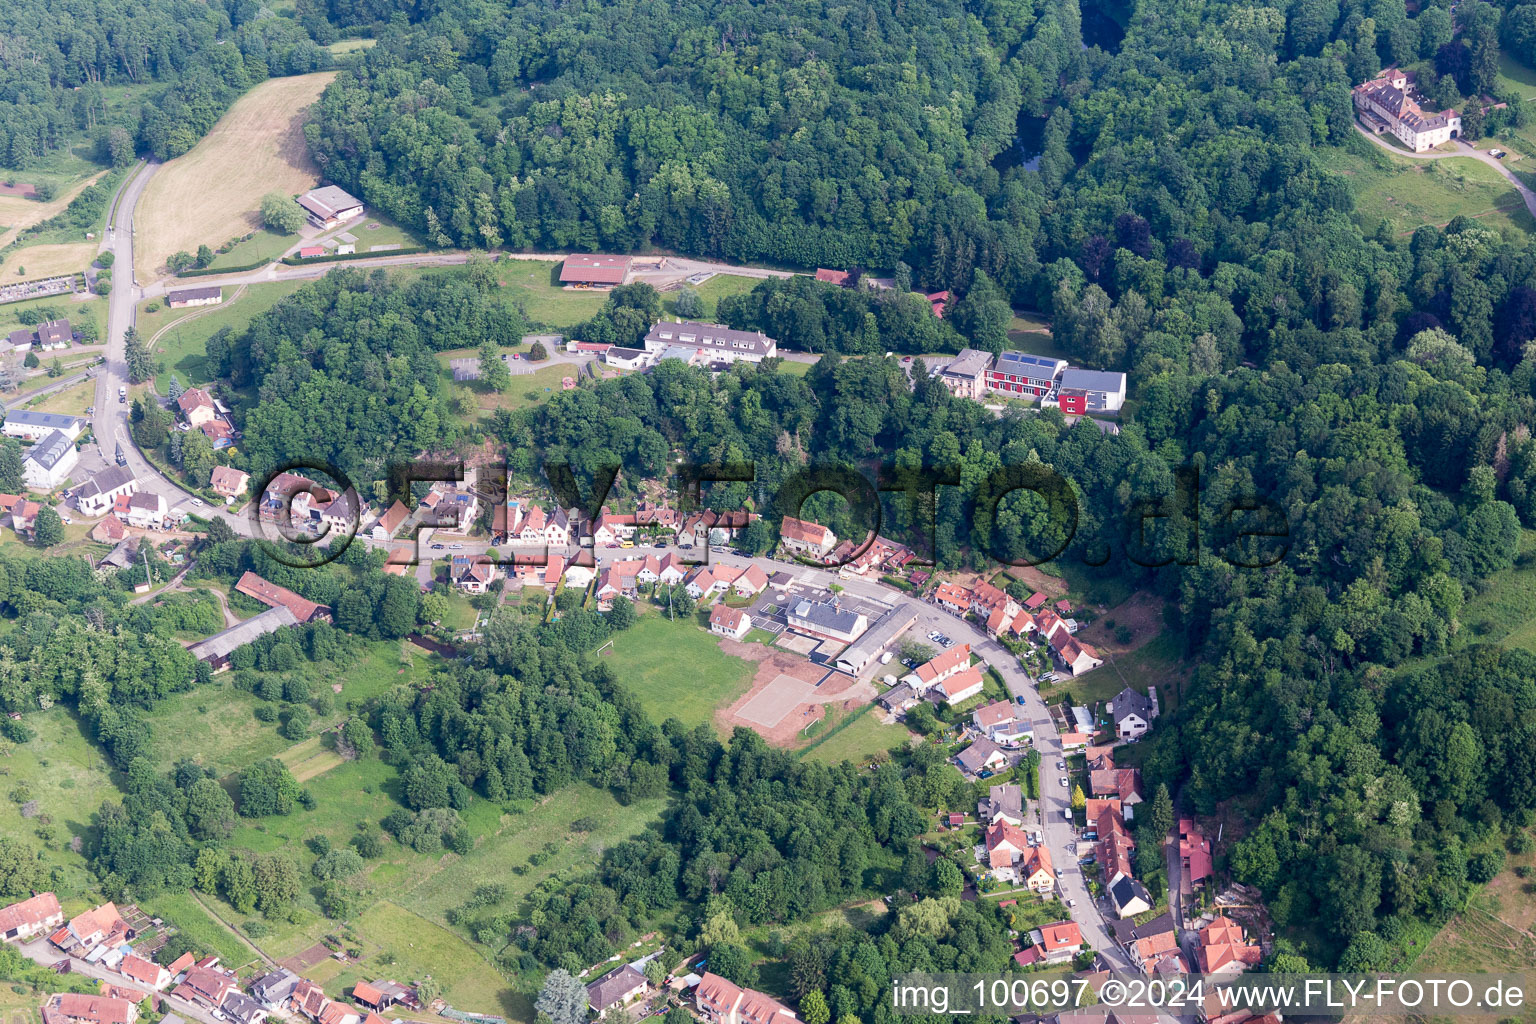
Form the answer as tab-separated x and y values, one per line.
410	250
206	271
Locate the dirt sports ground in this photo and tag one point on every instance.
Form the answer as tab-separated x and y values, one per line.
784	698
256	148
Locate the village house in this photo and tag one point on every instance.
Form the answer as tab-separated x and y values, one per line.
1223	949
79	1008
986	598
1128	896
1002	803
953	598
1114	847
1057	942
385	526
1048	624
100	926
965	375
54	334
450	508
143	510
711	527
1004	845
619	987
196	406
1123	784
839	278
34	426
206	984
898	698
1074	656
229	482
1132	713
288	497
184	297
721	1002
48	463
729	622
959	687
240	1008
983	755
1195	860
1390	102
804	537
1148	945
1005	721
144	972
329	207
24	516
472	574
940	667
29	918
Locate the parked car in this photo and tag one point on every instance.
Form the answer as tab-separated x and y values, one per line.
457	546
1020	699
946	643
437	547
198	502
1063	782
1061	766
1066	814
1071	903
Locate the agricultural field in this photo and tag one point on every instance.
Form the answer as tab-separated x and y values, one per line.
646	657
50	260
1409	194
179	337
69	777
256	148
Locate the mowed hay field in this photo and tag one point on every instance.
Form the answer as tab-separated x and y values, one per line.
50	260
213	193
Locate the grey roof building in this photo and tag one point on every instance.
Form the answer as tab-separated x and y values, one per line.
217	648
827	618
274	989
25	421
1002	801
719	341
876	639
975	757
1130	702
51	450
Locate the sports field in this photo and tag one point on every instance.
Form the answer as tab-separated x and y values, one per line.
256	148
646	657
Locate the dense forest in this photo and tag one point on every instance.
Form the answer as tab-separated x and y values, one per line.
137	77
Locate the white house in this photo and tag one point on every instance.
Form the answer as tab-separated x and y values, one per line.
48	463
96	495
1003	722
34	426
729	622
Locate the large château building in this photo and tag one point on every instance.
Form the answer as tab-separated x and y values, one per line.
1390	103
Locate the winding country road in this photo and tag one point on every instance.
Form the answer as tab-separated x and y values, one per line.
1464	150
